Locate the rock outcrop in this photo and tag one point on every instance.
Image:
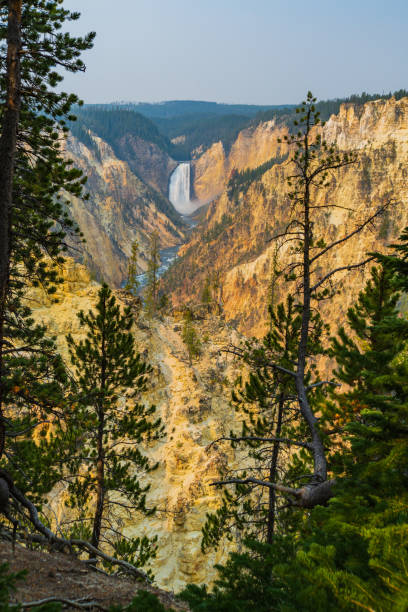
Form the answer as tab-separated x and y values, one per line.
147	161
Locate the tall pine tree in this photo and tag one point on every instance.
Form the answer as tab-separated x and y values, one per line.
106	428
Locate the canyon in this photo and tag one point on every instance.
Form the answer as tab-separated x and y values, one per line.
231	247
234	243
121	209
193	401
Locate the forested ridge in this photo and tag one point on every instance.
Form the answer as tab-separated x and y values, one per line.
315	515
196	125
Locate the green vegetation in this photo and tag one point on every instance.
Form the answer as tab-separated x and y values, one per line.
38	227
148	602
132	283
190	337
240	181
111	424
8	582
114	124
217	229
200	132
173	109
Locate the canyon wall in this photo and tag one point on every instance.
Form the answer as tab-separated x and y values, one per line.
253	147
148	161
193	402
120	209
234	243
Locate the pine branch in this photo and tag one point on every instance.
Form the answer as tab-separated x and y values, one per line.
262	483
260	439
308	496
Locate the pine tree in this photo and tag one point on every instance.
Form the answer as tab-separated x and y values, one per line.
153	265
190	336
106	427
265	401
206	296
357	548
306	278
132	283
37	222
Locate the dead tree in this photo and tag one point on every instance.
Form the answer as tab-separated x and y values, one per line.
45	536
314	161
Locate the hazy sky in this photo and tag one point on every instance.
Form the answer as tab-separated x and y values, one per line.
243	51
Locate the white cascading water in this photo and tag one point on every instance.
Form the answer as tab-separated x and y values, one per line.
179	190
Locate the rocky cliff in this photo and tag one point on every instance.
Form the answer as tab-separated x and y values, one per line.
253	147
233	243
120	209
147	161
193	402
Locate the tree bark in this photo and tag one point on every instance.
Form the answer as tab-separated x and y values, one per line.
8	145
100	489
273	474
319	457
100	462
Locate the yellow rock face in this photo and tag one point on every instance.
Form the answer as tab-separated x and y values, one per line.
193	402
253	147
242	254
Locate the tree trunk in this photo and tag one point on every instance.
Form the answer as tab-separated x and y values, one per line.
272	474
8	144
100	461
100	486
319	457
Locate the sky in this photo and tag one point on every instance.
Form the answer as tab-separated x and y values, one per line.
240	51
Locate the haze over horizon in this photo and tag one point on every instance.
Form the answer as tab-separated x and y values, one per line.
228	51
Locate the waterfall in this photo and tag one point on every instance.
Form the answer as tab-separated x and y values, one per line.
179	190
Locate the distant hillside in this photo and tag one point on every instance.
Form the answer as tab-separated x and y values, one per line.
182	108
194	132
194	124
111	123
326	107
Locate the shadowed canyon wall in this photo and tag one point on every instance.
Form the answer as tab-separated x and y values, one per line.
120	209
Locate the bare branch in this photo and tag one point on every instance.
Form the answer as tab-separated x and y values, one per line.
308	496
353	233
350	267
260	439
78	604
321	383
262	483
63	543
